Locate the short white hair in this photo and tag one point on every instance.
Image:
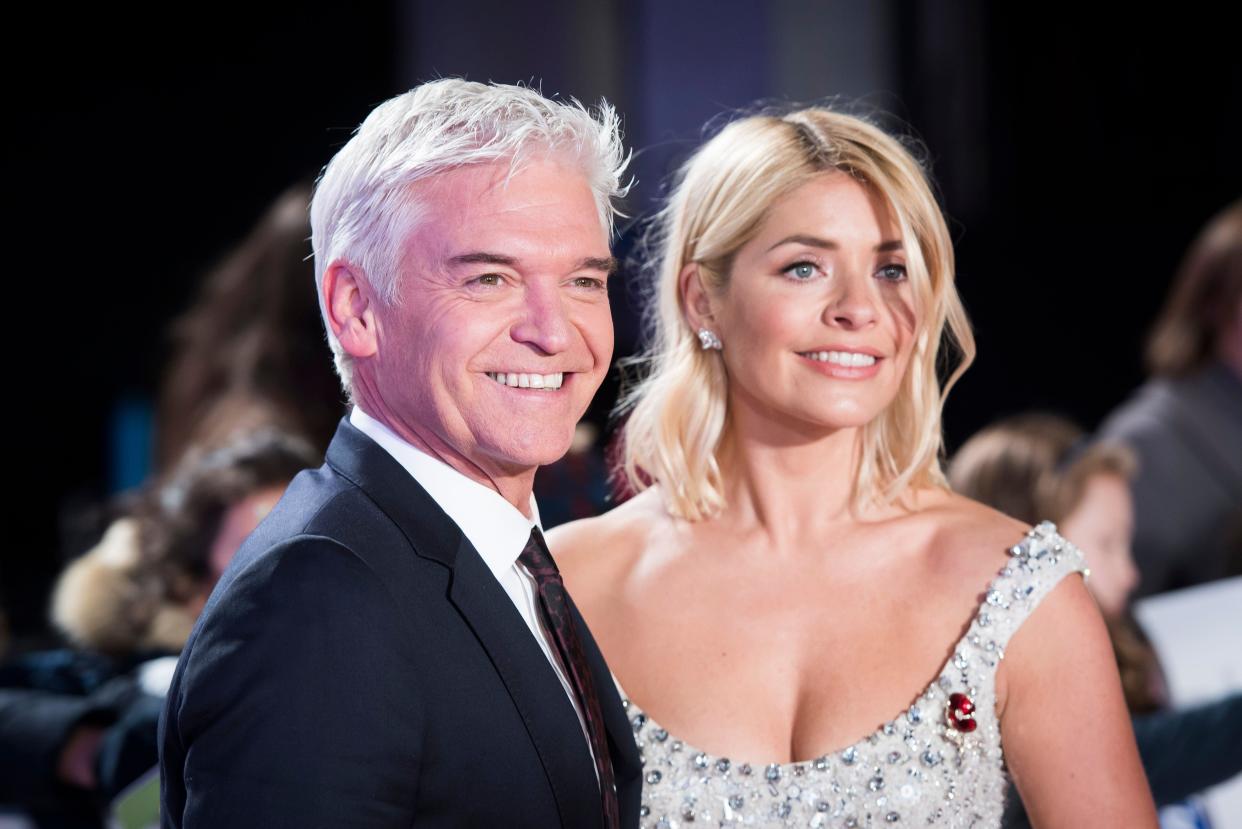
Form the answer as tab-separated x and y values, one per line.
362	209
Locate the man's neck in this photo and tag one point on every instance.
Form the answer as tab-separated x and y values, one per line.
515	486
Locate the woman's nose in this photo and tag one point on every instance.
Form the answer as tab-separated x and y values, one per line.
852	305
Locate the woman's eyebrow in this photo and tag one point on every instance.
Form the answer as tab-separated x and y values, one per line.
886	246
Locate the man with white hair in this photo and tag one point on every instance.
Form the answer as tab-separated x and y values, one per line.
393	646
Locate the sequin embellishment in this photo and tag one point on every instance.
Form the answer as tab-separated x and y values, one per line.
920	769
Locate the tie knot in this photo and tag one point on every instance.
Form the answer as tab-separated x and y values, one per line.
537	560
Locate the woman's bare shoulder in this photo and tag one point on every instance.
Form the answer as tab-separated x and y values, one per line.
971	534
599	550
978	539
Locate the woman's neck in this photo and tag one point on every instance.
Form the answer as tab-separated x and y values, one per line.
787	482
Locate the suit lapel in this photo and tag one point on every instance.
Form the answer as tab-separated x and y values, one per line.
368	466
532	683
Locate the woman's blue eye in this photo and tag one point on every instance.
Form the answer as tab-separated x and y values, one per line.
801	270
893	273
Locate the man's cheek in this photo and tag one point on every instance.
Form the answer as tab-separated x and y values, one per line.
598	333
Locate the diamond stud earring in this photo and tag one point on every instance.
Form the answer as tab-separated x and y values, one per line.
709	341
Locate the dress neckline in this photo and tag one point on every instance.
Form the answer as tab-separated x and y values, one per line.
912	713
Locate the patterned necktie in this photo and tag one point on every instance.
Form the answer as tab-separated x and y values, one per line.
554	603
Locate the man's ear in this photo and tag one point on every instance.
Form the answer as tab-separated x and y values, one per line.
350	309
694	298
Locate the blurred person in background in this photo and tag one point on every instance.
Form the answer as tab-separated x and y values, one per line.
78	725
250	351
1185	422
248	358
1043	465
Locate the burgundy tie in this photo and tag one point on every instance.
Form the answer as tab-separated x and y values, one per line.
554	603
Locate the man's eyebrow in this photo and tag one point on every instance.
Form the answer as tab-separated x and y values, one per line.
607	264
482	258
887	246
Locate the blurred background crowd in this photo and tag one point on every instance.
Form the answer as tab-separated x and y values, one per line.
177	377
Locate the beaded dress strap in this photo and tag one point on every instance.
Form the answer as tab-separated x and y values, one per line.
1037	564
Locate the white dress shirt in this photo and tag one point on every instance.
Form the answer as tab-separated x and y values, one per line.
494	526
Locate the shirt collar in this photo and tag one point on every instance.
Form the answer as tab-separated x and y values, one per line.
494	526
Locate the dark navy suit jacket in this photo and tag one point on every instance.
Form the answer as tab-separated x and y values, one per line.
359	665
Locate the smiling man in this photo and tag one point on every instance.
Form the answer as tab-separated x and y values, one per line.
393	646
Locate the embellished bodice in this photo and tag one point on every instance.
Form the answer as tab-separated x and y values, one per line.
938	763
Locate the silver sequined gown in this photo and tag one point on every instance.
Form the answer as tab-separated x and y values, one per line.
915	770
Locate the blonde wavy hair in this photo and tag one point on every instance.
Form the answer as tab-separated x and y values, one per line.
678	412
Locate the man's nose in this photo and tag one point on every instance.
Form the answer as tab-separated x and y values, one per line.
545	320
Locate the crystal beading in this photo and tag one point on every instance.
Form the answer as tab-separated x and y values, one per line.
914	770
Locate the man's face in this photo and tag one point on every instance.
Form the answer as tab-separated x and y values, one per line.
501	333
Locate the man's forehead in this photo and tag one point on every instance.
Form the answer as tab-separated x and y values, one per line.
501	180
479	176
480	209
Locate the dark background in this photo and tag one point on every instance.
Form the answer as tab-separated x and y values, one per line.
1076	157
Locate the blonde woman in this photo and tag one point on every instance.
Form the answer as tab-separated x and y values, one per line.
808	626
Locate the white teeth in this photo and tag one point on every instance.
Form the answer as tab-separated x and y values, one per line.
849	359
547	382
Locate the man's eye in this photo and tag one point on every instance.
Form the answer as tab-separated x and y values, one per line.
801	270
588	282
490	279
893	273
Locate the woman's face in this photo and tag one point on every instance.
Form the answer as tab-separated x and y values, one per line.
1102	525
818	316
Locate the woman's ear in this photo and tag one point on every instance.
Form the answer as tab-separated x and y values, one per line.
695	299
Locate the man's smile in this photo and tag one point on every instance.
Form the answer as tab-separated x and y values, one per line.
527	380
